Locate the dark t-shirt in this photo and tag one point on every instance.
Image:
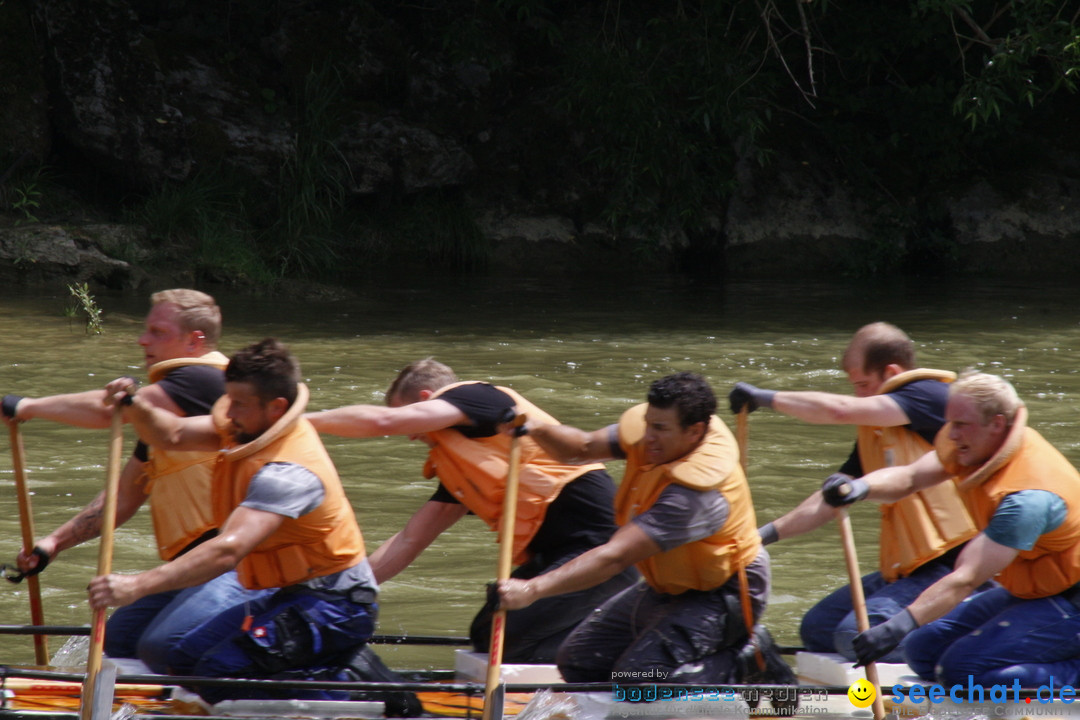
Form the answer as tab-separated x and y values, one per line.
194	388
581	517
923	401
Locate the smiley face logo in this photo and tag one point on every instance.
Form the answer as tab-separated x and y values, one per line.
861	693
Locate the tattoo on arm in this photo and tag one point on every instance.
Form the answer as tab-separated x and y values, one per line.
87	524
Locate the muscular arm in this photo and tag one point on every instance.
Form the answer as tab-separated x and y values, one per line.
629	544
980	560
86	525
161	428
242	532
85	409
571	445
894	483
375	421
834	409
886	485
430	521
810	514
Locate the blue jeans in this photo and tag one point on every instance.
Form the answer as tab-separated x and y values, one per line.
996	637
150	627
830	625
291	630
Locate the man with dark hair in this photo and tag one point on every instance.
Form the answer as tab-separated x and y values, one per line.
687	523
1025	497
563	509
899	408
185	370
284	523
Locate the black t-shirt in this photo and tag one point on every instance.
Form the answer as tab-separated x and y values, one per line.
194	388
923	401
582	516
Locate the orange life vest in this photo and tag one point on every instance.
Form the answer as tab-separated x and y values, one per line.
926	524
474	471
1025	461
178	483
323	541
704	564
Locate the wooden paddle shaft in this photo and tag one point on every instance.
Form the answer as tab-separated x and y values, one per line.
26	519
105	552
502	572
858	601
742	436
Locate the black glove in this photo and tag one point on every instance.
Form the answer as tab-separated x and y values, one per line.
880	640
839	489
745	394
9	404
16	577
768	534
509	415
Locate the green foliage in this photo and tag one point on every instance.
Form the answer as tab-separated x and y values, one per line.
664	100
201	224
26	202
302	240
89	307
440	231
24	192
271	104
1019	53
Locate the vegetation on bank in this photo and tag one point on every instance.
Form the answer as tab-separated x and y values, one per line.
643	115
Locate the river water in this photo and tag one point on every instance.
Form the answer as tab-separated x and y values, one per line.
583	353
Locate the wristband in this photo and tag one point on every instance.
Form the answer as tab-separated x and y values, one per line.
10	406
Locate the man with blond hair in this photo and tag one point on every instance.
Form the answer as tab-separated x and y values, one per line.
563	509
1025	498
285	523
179	346
898	408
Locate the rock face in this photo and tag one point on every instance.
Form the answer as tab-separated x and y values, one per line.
113	104
150	91
52	255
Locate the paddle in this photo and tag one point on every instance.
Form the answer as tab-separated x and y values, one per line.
26	519
742	436
858	600
108	525
493	698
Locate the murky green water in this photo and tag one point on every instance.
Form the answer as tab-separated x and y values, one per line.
583	353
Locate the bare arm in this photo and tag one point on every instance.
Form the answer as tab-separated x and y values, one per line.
85	409
835	409
86	525
571	445
242	532
376	421
810	514
885	485
980	560
629	544
894	483
160	428
430	521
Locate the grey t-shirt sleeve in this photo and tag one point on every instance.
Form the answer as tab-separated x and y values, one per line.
682	515
1023	516
284	489
616	449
